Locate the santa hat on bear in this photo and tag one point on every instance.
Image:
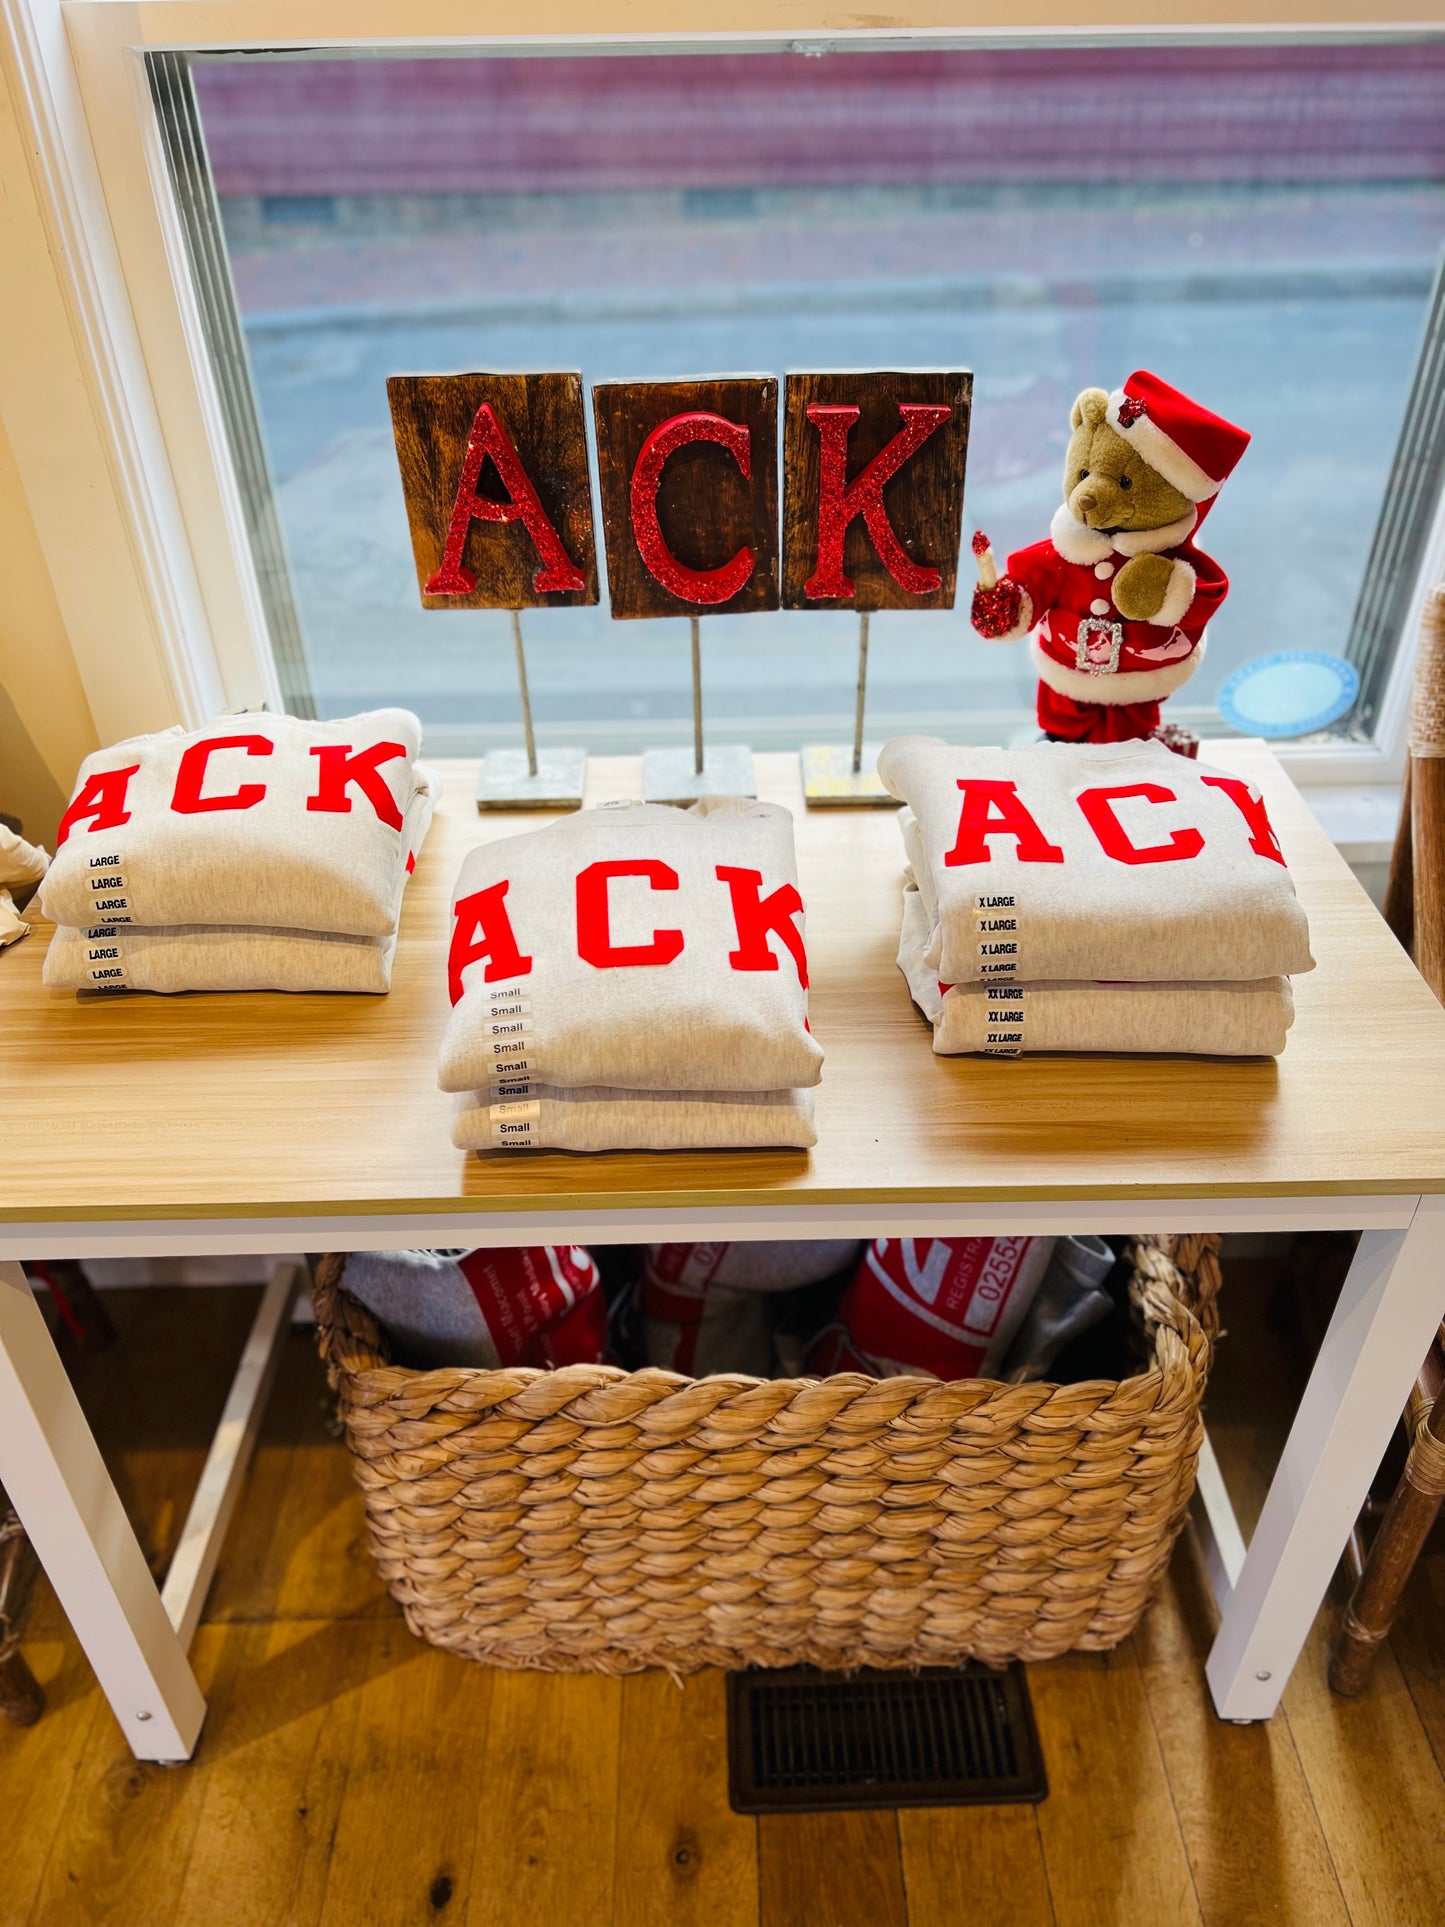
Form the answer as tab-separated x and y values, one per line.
1192	449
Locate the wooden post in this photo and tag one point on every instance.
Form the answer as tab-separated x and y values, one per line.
1399	910
873	468
1413	1509
690	518
524	692
498	496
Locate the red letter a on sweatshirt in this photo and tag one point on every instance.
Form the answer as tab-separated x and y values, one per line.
488	437
102	799
482	928
992	807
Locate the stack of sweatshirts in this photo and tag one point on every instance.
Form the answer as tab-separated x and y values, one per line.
632	977
1092	897
258	853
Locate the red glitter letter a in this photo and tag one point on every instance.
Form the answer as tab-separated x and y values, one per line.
488	437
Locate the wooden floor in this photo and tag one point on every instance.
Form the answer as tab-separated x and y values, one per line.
352	1777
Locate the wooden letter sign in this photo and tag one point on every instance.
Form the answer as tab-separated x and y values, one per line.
494	468
689	495
873	489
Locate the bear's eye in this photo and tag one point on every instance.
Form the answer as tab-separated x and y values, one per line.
1083	474
1124	482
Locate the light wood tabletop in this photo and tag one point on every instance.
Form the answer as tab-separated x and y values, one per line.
124	1107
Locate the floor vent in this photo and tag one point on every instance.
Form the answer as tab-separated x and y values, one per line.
801	1741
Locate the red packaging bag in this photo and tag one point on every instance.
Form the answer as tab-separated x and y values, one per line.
541	1304
949	1306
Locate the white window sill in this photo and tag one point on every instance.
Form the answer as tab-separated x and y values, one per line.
1359	818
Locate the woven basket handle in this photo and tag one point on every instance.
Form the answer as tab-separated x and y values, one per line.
349	1337
1176	1284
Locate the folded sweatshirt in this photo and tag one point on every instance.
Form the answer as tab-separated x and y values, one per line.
1222	1019
215	957
619	1120
269	821
633	946
1085	861
21	865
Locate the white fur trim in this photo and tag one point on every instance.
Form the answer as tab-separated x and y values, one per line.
1177	597
1124	686
1155	541
1076	542
1161	452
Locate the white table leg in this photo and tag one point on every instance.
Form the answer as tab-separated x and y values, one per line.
52	1469
1392	1301
204	1533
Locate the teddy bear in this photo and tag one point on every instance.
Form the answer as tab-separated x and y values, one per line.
1116	600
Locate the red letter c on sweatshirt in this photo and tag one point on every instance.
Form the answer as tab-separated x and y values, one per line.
594	920
706	586
1098	807
187	799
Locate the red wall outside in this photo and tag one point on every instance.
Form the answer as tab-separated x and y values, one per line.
1088	115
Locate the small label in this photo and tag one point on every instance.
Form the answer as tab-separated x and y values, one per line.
108	881
515	1123
508	1027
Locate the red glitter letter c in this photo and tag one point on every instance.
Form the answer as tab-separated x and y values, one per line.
708	586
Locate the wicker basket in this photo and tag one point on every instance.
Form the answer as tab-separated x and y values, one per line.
592	1520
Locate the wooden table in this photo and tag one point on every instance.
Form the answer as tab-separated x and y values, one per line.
266	1123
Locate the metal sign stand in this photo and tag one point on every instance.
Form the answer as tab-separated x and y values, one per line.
835	777
674	776
530	779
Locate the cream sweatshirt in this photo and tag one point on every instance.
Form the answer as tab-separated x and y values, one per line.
1067	862
618	1120
258	820
1223	1019
214	957
635	947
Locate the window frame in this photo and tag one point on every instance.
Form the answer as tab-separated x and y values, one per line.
78	76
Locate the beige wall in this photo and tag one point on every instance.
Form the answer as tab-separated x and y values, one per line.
45	721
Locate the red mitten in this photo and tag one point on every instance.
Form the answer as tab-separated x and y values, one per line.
995	611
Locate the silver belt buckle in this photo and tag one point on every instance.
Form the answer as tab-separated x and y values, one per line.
1097	645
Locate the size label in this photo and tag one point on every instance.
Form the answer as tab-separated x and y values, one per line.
515	1124
1003	1019
996	920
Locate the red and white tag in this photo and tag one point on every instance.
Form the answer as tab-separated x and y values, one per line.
949	1306
532	1298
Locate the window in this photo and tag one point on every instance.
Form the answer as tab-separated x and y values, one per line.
1260	221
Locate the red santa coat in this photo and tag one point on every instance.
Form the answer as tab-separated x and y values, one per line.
1102	676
